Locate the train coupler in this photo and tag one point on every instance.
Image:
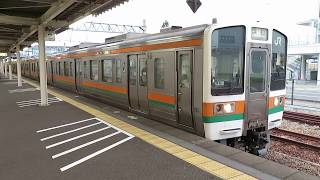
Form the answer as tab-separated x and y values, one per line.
257	143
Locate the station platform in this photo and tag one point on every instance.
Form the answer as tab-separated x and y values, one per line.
79	138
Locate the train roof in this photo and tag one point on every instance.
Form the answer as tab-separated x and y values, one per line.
181	32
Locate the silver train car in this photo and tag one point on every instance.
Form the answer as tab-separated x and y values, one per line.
223	82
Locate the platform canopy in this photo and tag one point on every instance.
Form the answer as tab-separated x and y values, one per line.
19	19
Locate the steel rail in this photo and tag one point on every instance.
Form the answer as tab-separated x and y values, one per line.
295	138
301	117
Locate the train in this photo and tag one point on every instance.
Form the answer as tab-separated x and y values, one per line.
225	82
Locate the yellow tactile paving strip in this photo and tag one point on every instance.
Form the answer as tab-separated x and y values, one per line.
202	162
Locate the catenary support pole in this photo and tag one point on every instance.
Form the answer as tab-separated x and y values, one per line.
1	68
5	69
42	65
10	69
19	67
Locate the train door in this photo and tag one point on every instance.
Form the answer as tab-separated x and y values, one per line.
78	73
184	97
138	85
257	91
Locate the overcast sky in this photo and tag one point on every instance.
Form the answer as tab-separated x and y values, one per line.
283	14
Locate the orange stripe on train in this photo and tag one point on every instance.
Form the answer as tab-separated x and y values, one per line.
162	98
105	87
64	78
187	43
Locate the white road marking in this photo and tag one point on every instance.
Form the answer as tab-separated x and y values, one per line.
64	125
71	131
84	145
94	154
77	137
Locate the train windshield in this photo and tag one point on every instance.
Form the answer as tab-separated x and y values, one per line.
227	60
279	59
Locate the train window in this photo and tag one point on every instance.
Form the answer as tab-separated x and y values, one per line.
71	68
159	73
118	71
94	70
66	68
258	71
143	78
107	70
279	59
227	60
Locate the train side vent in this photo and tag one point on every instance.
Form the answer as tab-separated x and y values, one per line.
171	28
122	37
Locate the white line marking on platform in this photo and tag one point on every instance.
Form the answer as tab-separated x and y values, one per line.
84	145
94	154
64	125
124	132
77	137
38	103
71	131
14	82
23	90
98	121
35	100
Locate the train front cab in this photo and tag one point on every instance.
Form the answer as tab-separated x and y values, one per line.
246	68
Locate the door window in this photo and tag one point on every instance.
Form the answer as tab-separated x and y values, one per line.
184	69
159	73
60	69
143	79
94	70
85	70
258	71
118	71
133	71
66	68
71	69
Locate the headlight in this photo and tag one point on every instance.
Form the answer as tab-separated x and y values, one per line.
227	108
276	101
224	108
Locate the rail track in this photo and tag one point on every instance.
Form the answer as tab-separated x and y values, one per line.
301	117
301	140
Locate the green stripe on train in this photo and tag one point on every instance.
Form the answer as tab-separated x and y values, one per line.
276	109
95	90
215	119
233	117
158	103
